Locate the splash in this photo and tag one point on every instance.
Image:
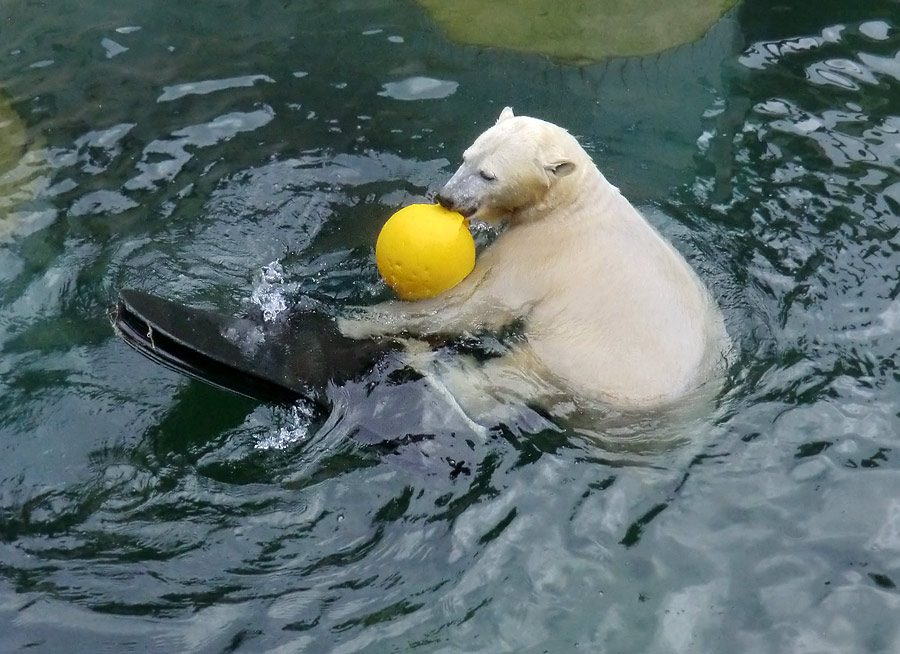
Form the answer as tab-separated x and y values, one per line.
298	421
268	294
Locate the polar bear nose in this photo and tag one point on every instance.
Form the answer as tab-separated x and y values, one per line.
449	203
445	201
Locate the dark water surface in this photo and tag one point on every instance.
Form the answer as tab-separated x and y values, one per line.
231	153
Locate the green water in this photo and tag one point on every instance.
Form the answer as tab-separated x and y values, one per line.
188	149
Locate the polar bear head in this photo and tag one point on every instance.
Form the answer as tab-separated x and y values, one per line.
518	169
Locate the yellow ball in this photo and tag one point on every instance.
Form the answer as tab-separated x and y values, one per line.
424	250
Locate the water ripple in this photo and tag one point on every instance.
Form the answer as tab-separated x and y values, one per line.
142	510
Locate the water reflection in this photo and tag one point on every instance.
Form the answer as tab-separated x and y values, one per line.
810	179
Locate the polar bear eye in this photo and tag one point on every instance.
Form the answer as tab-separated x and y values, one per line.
487	176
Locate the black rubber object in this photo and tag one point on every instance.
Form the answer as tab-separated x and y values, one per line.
294	356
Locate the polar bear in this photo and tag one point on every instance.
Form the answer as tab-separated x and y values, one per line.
610	312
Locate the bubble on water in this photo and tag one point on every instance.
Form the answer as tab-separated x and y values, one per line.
269	292
295	430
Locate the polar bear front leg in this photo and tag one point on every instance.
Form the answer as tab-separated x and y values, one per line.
422	318
467	308
387	318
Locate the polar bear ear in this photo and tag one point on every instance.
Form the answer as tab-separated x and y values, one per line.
505	114
560	168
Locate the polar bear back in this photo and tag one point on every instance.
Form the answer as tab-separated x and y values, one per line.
611	309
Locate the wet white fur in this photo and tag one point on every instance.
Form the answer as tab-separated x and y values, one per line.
611	311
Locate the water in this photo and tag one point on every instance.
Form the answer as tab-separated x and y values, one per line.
221	152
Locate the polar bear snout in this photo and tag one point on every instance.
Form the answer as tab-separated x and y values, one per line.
472	189
450	203
455	198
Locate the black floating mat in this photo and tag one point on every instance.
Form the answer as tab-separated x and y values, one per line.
291	357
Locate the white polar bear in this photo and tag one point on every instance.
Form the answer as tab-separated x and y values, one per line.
610	311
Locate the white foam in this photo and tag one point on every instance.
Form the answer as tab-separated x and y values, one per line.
269	292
